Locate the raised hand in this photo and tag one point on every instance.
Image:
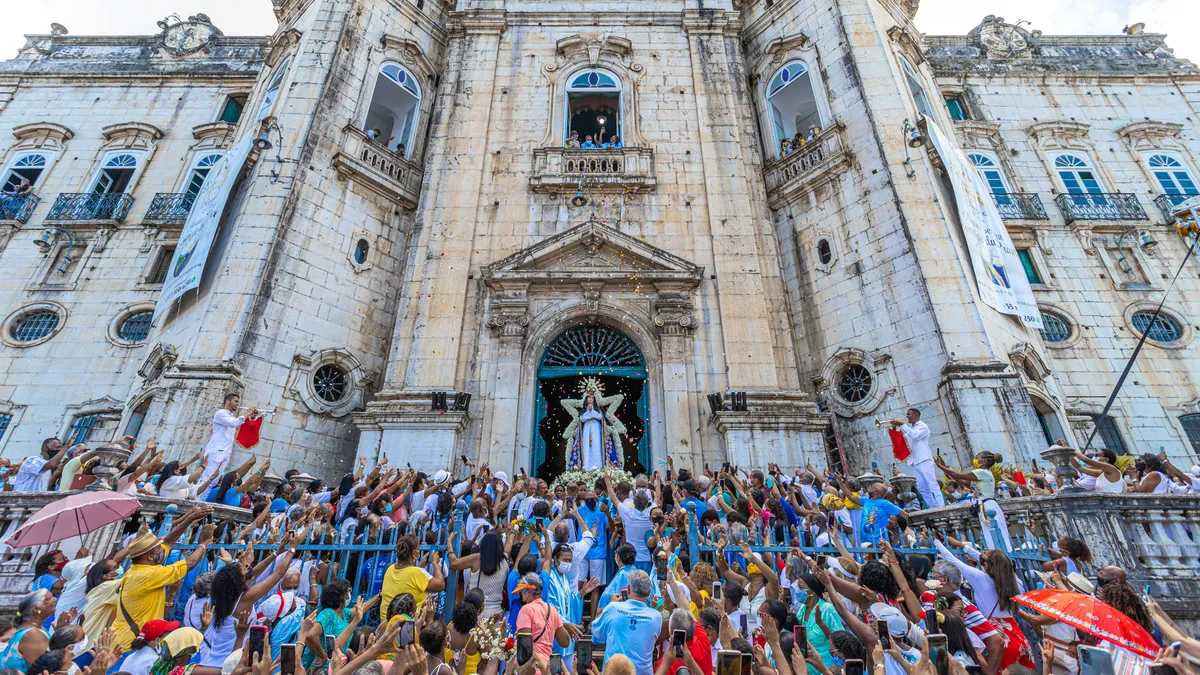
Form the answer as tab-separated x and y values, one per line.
206	616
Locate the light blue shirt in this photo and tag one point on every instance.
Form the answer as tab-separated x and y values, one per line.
621	579
630	628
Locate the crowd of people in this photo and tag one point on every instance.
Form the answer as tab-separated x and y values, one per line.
798	142
591	142
356	578
13	198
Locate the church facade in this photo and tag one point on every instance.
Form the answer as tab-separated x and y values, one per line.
417	261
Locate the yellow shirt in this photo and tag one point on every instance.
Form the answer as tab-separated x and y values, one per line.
696	608
143	593
412	580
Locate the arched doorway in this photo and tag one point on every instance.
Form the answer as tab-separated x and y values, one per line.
606	354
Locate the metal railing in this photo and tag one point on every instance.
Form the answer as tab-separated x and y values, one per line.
91	206
170	207
802	168
18	208
1167	204
1100	206
1020	206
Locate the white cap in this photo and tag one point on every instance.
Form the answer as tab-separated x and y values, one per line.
503	478
441	476
231	662
1196	469
896	623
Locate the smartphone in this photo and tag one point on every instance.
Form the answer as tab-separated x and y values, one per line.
801	635
747	664
853	667
624	593
406	636
1093	661
729	662
931	622
939	654
255	642
745	625
287	659
583	653
885	638
556	665
679	639
524	648
974	670
330	645
716	591
821	560
464	459
660	567
1161	669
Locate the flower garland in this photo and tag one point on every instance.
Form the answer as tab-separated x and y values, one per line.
493	641
612	474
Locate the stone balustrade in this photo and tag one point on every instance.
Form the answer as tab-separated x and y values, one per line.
1154	538
564	170
16	564
378	168
803	170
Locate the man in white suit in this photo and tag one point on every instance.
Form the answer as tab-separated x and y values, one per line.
916	433
224	426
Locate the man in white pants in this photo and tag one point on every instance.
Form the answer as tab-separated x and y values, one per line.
916	433
224	426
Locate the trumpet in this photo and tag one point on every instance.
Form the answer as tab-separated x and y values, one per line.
881	423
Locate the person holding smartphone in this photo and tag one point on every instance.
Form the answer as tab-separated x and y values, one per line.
688	646
538	622
630	627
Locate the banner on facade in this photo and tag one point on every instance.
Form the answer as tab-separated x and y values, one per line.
998	270
195	242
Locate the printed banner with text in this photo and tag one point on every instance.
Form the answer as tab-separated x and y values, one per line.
195	242
998	270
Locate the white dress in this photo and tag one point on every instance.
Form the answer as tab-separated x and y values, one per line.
591	439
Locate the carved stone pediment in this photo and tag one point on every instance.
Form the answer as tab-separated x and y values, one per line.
590	47
594	252
1026	359
213	135
777	51
160	358
1151	135
131	135
911	44
47	135
1060	135
410	53
281	45
973	134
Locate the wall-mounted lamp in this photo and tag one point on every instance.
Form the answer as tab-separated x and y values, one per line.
1147	244
913	139
48	238
263	143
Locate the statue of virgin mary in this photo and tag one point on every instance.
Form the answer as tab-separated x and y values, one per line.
594	434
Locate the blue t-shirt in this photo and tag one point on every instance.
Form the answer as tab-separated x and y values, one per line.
232	497
588	144
630	628
697	506
514	601
279	505
597	522
876	513
372	572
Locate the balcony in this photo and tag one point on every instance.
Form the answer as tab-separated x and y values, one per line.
1168	203
170	207
18	208
562	170
1101	206
378	168
91	206
804	170
1020	206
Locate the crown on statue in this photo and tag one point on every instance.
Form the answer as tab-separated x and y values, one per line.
591	386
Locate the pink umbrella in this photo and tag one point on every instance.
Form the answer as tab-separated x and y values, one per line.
73	516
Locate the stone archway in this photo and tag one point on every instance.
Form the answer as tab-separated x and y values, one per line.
590	351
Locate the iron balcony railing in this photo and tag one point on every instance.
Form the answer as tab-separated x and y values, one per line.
91	206
1020	206
1101	206
18	208
170	207
1167	204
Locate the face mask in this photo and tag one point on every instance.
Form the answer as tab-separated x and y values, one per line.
800	595
120	572
564	567
591	503
956	495
387	507
1101	581
657	520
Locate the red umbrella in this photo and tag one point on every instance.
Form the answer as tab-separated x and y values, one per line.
73	516
1092	617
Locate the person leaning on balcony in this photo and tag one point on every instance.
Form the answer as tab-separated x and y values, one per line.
588	143
141	596
35	472
573	140
785	148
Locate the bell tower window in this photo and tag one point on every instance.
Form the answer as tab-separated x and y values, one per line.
792	102
395	107
594	106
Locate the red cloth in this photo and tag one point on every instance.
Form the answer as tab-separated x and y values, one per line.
700	648
248	434
899	446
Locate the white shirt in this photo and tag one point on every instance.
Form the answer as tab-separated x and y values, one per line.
917	436
637	524
177	487
579	551
140	662
31	477
224	426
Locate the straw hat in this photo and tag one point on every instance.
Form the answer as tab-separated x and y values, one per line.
1080	583
144	543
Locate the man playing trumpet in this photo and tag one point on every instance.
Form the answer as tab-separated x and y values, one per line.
224	427
916	433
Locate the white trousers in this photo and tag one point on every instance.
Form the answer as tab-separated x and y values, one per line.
217	461
927	485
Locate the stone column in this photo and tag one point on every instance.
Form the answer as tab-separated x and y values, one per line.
784	428
508	321
676	325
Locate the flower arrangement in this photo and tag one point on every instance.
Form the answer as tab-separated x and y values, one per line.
522	526
612	474
493	640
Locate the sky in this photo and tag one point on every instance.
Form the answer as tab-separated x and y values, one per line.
936	17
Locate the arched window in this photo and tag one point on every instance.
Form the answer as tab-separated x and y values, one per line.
792	101
915	88
594	107
395	106
29	165
203	165
115	173
990	172
1173	177
273	87
1077	175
